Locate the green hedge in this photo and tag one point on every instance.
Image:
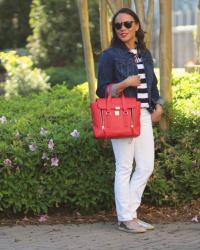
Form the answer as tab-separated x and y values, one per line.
29	182
43	168
70	75
177	166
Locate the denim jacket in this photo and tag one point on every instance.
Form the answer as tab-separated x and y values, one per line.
116	64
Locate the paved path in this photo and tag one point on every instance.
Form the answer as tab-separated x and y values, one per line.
100	236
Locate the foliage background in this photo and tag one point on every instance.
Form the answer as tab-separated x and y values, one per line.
14	20
56	39
22	77
77	170
83	179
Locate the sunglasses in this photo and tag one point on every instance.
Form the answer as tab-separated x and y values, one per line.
127	24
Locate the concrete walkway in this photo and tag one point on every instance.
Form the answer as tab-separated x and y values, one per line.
100	236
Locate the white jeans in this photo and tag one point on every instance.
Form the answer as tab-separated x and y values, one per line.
129	186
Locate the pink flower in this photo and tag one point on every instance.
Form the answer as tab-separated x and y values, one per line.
3	119
75	133
51	144
33	147
43	131
43	218
54	161
7	162
195	219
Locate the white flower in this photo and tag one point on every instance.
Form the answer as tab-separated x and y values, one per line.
44	156
195	219
7	162
33	147
43	131
51	144
3	119
54	161
75	133
195	112
25	218
17	135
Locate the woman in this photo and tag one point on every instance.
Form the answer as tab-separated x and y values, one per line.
128	66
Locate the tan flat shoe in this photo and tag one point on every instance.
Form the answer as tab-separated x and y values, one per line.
131	227
146	225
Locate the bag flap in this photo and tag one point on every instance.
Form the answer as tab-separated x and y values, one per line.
117	102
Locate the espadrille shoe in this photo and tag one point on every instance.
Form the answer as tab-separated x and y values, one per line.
131	227
146	225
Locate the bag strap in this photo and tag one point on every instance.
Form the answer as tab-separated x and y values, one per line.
109	98
109	90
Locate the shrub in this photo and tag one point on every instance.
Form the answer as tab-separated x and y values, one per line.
30	179
22	78
70	75
177	166
45	162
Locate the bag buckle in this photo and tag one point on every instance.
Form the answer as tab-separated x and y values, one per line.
117	109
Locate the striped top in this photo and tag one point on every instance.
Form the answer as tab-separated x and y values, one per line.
142	91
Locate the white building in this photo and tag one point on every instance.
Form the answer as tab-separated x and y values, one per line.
184	28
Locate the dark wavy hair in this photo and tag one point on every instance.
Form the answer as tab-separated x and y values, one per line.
116	42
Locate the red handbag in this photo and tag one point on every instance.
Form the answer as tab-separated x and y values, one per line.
115	117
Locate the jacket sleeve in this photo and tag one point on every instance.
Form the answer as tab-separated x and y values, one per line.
105	73
155	97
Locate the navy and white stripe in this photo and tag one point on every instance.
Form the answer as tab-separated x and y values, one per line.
142	91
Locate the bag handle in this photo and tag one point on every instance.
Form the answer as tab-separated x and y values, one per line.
109	91
109	98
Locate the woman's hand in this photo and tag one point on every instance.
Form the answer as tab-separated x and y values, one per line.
132	81
157	114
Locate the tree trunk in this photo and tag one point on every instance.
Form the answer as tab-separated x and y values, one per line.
88	54
139	6
165	54
115	5
149	22
127	3
105	31
198	35
146	22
